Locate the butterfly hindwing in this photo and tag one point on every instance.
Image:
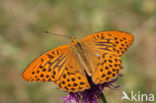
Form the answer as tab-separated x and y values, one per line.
105	67
73	78
73	82
108	68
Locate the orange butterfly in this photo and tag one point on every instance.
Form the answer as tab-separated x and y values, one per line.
97	55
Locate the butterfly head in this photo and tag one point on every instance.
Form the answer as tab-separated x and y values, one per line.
74	41
77	44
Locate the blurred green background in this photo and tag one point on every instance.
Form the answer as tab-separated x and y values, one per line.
22	39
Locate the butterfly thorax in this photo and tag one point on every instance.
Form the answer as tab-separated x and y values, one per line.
80	51
77	45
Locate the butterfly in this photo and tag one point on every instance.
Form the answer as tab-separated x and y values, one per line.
97	56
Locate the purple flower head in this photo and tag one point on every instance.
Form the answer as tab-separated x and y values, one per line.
91	95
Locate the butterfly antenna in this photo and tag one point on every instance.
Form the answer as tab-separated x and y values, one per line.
47	32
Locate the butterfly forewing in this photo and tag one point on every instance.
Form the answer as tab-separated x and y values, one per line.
48	66
59	65
103	51
111	42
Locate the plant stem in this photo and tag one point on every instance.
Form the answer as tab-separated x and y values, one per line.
103	97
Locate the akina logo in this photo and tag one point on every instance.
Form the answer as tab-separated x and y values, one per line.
138	97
